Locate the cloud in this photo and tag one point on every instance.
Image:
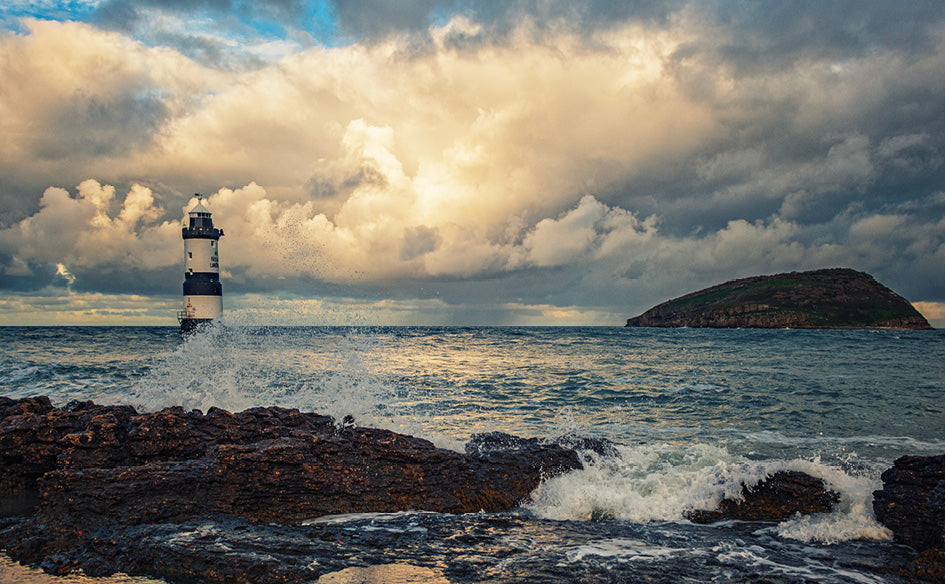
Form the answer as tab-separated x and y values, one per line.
934	312
88	244
591	252
50	307
80	102
595	156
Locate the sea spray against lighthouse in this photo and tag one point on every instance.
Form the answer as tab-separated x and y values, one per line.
693	411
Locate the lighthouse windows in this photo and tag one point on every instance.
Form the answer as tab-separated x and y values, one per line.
190	254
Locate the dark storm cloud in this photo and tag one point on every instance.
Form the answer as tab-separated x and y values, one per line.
770	31
828	105
418	241
767	30
379	19
164	281
91	126
125	14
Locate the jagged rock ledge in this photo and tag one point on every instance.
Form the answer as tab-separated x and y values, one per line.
912	505
267	464
829	298
92	487
780	496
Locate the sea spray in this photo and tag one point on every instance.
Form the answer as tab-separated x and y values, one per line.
334	371
646	482
206	369
239	367
663	482
852	518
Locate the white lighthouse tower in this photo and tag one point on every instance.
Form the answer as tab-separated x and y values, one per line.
203	293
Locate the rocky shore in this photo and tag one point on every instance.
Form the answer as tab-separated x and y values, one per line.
912	505
105	489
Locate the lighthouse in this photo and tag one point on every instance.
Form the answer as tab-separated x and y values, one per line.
203	293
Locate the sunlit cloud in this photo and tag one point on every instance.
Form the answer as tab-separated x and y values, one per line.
63	271
52	307
934	312
457	167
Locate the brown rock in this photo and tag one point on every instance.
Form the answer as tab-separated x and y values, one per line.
912	501
776	498
270	464
87	470
912	505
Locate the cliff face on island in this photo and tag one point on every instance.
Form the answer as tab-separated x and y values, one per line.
830	298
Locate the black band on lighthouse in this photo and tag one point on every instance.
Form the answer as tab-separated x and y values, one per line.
201	233
202	284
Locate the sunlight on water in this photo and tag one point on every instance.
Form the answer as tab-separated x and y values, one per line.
14	573
384	574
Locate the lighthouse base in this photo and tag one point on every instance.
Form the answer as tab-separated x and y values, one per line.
190	325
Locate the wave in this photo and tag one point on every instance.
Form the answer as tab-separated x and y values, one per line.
662	482
235	369
902	443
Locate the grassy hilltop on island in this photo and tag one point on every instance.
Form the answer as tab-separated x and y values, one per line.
830	298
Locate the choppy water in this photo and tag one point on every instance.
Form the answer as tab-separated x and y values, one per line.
696	412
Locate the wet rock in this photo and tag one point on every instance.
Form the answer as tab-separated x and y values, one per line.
490	443
599	446
776	498
910	502
82	471
36	438
912	505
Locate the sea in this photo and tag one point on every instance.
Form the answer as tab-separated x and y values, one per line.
694	412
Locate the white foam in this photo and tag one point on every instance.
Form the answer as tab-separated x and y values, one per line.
625	550
853	517
659	482
813	570
204	370
904	443
235	368
342	518
648	482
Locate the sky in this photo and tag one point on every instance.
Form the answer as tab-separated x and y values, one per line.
459	162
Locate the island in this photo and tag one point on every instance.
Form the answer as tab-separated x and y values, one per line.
827	298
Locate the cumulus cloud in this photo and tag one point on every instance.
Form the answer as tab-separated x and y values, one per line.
94	242
79	230
598	157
